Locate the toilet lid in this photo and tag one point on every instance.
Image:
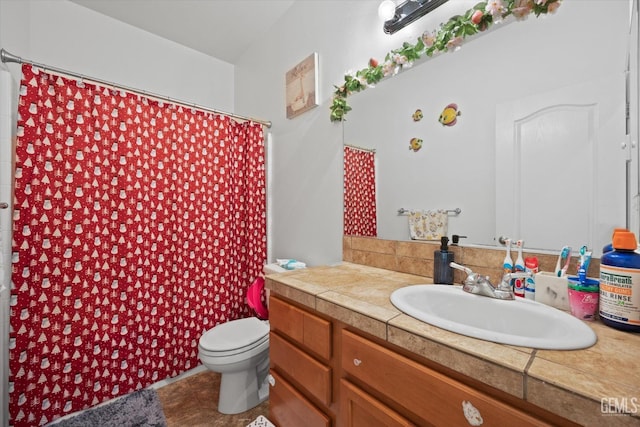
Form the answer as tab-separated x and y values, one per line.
234	334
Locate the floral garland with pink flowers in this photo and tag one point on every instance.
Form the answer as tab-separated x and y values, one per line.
447	38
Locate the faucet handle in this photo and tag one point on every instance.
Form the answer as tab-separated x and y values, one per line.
461	268
472	278
506	279
517	275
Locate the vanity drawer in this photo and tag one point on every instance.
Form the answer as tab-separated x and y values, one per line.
311	331
314	376
430	395
358	408
288	407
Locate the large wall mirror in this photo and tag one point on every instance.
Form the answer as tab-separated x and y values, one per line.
540	150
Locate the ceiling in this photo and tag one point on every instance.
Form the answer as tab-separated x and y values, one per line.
223	29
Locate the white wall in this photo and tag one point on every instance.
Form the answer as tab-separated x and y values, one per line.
306	151
6	192
68	36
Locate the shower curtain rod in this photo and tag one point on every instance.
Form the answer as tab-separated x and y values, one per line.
355	147
8	57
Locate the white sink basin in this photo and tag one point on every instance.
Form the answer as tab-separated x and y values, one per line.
518	322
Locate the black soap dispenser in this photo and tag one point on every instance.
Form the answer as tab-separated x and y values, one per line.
442	271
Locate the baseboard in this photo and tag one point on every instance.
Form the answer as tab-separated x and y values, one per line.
167	381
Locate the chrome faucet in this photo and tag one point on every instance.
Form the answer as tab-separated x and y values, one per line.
480	285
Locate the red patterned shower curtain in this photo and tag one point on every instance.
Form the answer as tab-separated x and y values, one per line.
137	226
359	192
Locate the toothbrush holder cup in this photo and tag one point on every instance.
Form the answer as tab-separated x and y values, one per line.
552	290
584	297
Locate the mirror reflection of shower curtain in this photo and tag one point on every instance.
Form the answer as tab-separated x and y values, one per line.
360	218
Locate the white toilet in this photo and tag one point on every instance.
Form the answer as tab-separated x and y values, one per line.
239	350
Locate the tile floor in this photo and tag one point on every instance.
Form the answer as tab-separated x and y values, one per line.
193	402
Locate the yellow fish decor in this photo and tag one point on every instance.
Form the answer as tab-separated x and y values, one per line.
449	115
415	144
417	116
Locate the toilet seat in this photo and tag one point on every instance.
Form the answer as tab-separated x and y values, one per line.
234	337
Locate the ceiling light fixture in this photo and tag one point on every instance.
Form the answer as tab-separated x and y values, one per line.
407	12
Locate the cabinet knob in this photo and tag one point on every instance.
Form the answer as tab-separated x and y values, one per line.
357	362
272	381
471	413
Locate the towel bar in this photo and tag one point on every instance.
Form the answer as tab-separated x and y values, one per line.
456	211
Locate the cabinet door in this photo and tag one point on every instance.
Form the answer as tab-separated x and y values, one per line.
286	318
316	335
289	408
311	331
359	409
432	396
302	368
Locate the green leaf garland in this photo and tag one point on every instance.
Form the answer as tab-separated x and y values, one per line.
448	37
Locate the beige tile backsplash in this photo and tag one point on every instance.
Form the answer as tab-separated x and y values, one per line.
416	257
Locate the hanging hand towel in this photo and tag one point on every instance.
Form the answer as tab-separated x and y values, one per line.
428	225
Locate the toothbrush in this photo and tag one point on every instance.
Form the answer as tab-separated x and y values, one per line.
585	259
507	264
565	256
582	252
559	262
563	272
518	288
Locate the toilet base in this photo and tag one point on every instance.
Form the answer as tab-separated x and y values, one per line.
241	391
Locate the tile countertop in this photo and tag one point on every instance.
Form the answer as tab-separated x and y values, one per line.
572	383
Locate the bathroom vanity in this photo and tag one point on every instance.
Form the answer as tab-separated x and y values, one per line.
343	355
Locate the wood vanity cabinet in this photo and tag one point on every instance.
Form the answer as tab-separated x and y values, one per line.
326	374
432	396
358	409
300	352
